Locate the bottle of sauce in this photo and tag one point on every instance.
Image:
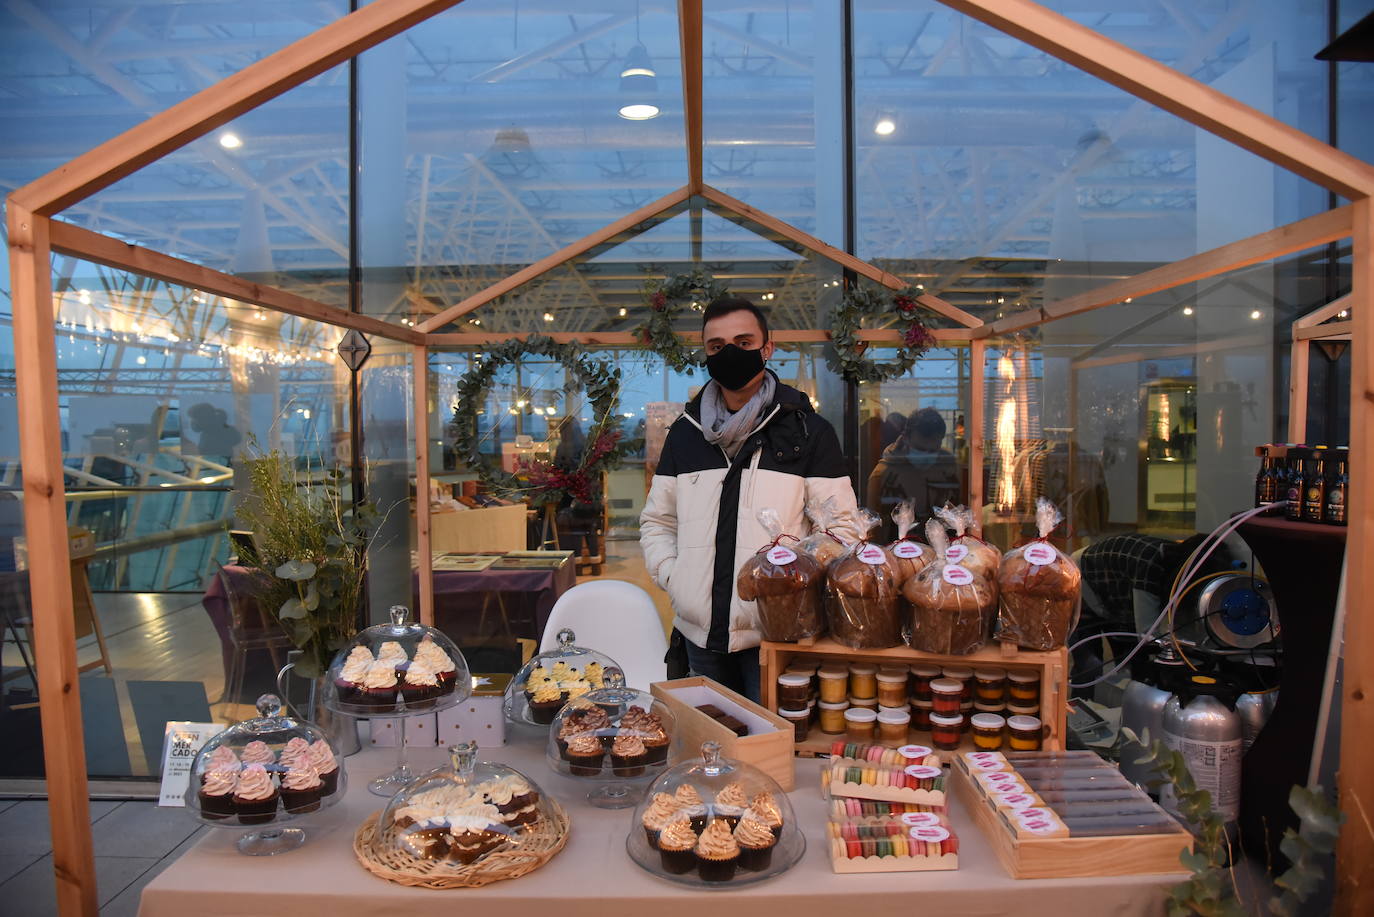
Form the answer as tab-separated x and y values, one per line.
1314	487
1292	484
1337	491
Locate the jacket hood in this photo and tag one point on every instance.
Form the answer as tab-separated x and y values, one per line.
782	394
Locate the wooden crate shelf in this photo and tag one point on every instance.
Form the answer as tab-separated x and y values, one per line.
1052	665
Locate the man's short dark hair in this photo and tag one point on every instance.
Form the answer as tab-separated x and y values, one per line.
926	424
728	304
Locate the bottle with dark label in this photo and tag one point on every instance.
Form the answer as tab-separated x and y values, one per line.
1314	487
1262	479
1293	484
1337	490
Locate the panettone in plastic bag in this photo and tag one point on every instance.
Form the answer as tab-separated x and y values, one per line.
966	548
823	544
1039	589
951	606
906	556
862	601
785	583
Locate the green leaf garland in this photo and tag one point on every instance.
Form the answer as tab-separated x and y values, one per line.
665	300
862	303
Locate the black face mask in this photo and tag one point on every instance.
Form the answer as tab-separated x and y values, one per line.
733	367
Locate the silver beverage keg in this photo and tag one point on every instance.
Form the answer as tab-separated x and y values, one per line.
1254	708
1142	709
1201	723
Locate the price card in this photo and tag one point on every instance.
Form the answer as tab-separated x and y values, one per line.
917	752
907	550
180	743
956	575
923	771
932	834
955	553
781	556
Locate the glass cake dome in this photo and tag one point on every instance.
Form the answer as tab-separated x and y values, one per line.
461	814
265	771
713	822
402	666
613	735
549	680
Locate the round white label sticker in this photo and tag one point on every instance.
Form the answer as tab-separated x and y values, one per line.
1036	824
956	575
1016	801
871	554
991	765
780	556
1000	778
1027	812
1039	553
914	751
920	819
907	550
931	834
923	771
955	553
984	756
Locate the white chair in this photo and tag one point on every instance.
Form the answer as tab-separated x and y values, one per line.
615	618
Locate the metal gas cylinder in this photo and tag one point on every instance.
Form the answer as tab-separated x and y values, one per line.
1142	710
1254	708
1200	722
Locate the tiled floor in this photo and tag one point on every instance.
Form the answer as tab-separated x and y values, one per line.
158	836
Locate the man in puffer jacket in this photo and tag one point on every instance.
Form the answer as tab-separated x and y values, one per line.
746	442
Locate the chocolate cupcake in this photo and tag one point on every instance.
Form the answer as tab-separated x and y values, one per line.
393	654
258	752
322	760
585	755
756	843
439	663
628	756
656	741
676	847
690	802
730	804
765	808
545	701
662	810
255	796
301	788
420	687
217	794
717	853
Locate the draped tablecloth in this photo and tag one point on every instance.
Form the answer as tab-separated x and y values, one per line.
594	876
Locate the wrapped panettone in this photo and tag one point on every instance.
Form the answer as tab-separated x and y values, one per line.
822	544
906	556
786	585
862	601
966	548
951	606
1039	588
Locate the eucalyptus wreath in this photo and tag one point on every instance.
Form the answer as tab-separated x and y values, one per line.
862	303
540	481
665	299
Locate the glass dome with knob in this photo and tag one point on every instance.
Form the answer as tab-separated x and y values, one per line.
552	678
265	772
617	737
713	822
396	670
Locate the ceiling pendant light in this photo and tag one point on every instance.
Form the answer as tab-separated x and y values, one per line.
638	86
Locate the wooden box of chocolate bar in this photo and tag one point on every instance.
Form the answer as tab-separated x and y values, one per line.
745	731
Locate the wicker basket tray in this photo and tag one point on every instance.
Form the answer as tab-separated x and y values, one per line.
540	844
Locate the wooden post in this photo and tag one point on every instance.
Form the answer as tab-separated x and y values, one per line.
424	559
50	575
1297	390
977	374
1355	848
689	39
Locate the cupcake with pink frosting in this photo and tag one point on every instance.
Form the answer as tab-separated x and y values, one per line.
256	796
301	787
322	760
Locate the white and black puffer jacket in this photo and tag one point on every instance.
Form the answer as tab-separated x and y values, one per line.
700	521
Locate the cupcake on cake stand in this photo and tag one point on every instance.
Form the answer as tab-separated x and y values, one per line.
394	671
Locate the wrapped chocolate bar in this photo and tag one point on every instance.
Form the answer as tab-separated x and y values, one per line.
906	556
965	548
822	544
785	583
1039	589
862	601
951	606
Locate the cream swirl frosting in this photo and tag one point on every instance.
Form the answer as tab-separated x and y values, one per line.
627	746
595	674
433	656
562	672
677	835
662	810
258	752
753	833
219	783
584	745
732	799
445	797
393	654
716	842
322	757
381	674
537	674
223	759
687	795
255	783
295	750
356	665
765	808
504	790
302	776
546	692
472	818
420	673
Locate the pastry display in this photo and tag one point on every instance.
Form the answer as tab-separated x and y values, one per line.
909	842
862	599
785	584
397	667
910	774
966	548
612	734
906	556
1038	589
712	822
951	607
551	679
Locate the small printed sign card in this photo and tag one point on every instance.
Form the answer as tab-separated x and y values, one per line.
179	746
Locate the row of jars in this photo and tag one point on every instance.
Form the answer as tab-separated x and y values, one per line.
944	689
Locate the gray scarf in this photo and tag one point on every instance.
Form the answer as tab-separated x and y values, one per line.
728	430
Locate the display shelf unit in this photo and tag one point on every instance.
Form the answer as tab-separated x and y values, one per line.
1052	665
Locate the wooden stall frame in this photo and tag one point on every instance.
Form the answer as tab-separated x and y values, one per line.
337	42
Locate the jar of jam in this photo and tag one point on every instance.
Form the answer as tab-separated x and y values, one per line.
987	731
945	693
920	715
870	703
808	669
990	685
794	690
892	726
863	680
962	674
1023	687
892	689
834	683
832	716
1015	709
1024	733
946	730
860	724
918	680
800	720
